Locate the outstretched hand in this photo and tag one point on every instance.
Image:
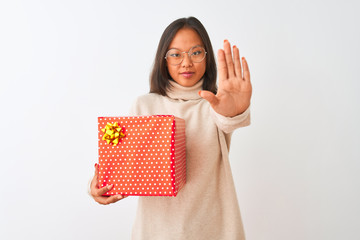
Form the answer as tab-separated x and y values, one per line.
234	92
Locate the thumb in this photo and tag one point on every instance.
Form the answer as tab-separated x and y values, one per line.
96	171
95	180
209	96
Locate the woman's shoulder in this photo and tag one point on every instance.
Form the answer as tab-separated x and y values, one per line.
148	97
145	103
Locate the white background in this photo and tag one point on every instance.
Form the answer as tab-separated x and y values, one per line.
64	63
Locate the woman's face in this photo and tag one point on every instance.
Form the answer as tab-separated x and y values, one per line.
187	73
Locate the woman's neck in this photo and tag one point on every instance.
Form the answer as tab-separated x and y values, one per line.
176	91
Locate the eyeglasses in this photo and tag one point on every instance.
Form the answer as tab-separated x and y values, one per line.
175	56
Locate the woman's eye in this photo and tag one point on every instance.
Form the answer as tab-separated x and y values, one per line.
176	55
196	53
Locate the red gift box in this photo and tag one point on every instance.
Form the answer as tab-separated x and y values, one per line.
149	158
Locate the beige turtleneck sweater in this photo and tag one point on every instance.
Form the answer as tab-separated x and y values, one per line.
206	207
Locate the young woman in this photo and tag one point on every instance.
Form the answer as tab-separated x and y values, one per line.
183	83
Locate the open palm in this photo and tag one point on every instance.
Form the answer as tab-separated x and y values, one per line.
234	92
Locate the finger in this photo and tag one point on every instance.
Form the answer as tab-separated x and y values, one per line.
96	170
222	68
113	199
246	70
238	72
229	59
110	199
209	96
101	191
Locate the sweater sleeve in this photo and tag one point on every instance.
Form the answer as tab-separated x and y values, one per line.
229	124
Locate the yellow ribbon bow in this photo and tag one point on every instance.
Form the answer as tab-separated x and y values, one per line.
113	133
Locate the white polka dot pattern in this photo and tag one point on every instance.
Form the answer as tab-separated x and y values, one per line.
148	161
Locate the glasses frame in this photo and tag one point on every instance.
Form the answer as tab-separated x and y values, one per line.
182	55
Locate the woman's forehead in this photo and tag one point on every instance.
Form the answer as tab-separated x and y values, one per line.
185	39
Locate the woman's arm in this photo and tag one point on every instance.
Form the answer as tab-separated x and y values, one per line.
229	124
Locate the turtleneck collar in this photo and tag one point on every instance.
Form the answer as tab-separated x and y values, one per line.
176	91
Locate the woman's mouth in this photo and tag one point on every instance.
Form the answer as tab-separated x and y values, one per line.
187	74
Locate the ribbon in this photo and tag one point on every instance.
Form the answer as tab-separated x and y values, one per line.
113	133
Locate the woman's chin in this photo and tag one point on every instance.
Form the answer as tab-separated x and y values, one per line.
187	82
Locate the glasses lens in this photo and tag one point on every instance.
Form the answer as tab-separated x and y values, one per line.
174	56
197	54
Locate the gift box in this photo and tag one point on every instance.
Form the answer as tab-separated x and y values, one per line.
142	155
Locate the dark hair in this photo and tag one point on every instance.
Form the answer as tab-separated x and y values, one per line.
159	77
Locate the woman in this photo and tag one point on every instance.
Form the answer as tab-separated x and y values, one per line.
183	83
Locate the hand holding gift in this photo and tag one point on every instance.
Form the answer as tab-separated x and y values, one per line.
97	193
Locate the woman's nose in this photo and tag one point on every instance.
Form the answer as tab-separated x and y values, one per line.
186	61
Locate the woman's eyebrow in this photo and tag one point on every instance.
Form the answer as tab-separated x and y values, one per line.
197	45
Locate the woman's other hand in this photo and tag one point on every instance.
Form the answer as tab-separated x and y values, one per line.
97	192
234	93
